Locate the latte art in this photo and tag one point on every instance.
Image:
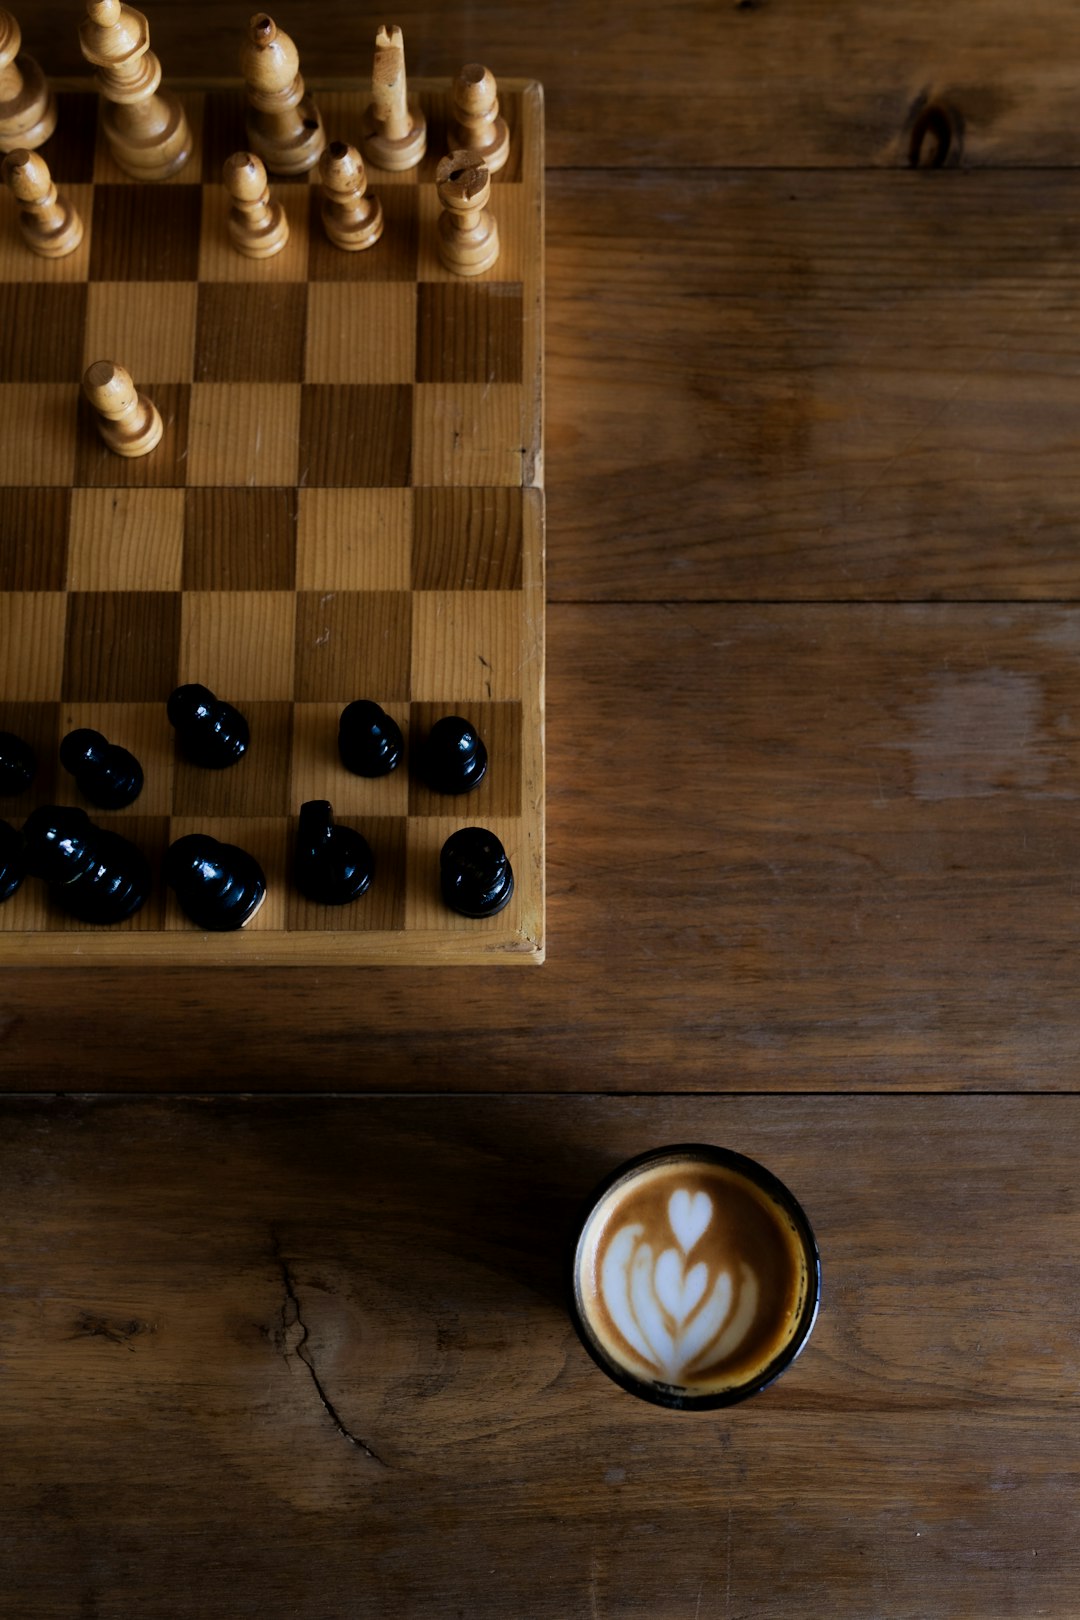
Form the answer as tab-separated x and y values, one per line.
693	1278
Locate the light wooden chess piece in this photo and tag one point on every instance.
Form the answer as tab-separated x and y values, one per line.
468	234
146	127
283	124
128	421
48	222
352	219
476	124
394	131
27	105
258	228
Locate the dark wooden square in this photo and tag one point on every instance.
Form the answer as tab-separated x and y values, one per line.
466	540
499	794
69	151
258	785
352	644
469	334
41	331
121	646
36	724
239	540
383	906
393	257
98	467
146	233
355	435
250	333
34	539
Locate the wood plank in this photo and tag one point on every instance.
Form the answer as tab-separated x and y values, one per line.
828	386
791	847
319	1349
744	83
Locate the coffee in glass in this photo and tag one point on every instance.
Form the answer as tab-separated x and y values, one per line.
695	1277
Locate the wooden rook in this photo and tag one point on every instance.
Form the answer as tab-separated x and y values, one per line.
476	124
284	125
394	131
146	126
258	227
352	219
468	234
27	105
49	224
129	423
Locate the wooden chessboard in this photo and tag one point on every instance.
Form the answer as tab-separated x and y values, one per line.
347	502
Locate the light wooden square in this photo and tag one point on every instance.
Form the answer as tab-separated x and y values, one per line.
319	774
149	326
37	432
239	643
424	908
32	645
361	332
220	261
354	540
467	643
470	433
19	263
108	172
507	206
143	729
264	837
243	433
125	540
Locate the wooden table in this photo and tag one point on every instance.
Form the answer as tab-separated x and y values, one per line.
282	1329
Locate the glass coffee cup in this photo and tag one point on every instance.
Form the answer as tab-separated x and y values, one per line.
695	1277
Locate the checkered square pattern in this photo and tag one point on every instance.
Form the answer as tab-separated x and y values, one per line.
345	503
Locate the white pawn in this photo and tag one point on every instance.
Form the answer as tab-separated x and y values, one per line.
49	224
129	423
258	228
477	125
351	219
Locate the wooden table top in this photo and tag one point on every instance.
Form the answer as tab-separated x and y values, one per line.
283	1330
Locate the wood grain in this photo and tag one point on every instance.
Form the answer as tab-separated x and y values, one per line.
338	1328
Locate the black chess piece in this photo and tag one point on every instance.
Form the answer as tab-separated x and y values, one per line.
12	860
475	876
104	772
369	739
332	864
91	872
454	758
18	764
219	886
210	733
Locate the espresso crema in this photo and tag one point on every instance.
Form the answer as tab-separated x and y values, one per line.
695	1277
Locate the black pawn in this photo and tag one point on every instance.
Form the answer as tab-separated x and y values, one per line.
455	758
332	865
369	740
92	873
17	764
219	886
210	733
12	860
475	876
107	774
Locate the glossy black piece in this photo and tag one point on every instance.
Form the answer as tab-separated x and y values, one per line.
210	733
219	886
455	757
475	876
369	739
107	774
92	873
332	864
18	764
12	860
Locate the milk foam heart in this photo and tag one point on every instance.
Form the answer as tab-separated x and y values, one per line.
689	1216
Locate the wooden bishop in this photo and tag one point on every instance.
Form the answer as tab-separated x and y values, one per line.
476	124
27	105
468	235
258	228
393	135
128	421
284	126
146	127
352	219
48	222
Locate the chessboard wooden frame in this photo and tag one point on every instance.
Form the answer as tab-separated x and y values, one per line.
424	932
